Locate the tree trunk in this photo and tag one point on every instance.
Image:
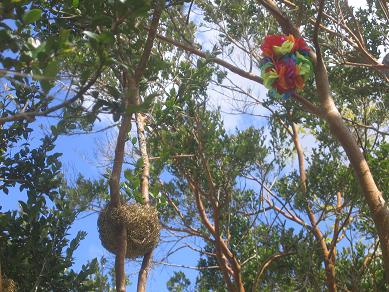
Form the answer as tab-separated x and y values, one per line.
329	265
114	185
120	275
140	121
131	87
378	208
114	181
1	280
375	201
142	276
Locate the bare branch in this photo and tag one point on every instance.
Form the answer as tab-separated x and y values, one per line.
140	69
316	28
265	265
186	267
177	156
33	114
216	60
385	9
366	126
286	25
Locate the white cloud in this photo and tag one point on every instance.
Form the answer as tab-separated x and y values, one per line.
358	3
230	102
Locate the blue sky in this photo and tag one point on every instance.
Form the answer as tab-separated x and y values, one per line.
78	150
77	153
79	157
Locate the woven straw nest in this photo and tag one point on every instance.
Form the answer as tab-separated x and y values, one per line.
9	285
142	225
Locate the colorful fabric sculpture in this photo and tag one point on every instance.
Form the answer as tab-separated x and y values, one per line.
286	66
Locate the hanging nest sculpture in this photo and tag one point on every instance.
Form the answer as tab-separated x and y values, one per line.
9	285
142	225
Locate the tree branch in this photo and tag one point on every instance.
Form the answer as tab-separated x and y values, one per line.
187	267
216	60
309	106
265	265
316	29
120	274
354	123
140	69
31	115
328	261
286	25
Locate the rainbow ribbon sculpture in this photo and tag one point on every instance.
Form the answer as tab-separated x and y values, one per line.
286	66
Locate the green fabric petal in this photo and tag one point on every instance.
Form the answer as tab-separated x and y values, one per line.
305	66
269	77
265	67
305	71
301	58
284	49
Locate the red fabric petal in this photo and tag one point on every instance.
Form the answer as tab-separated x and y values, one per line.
269	42
299	44
289	78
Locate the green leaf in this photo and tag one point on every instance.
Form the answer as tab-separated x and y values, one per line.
138	197
113	91
46	85
143	107
64	35
23	205
140	163
106	37
127	174
52	69
75	3
102	20
49	74
32	16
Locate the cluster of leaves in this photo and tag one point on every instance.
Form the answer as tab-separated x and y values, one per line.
184	126
35	250
43	40
178	282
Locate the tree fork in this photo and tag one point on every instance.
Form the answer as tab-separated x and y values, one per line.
114	184
265	265
226	271
235	265
140	121
377	205
329	260
378	208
